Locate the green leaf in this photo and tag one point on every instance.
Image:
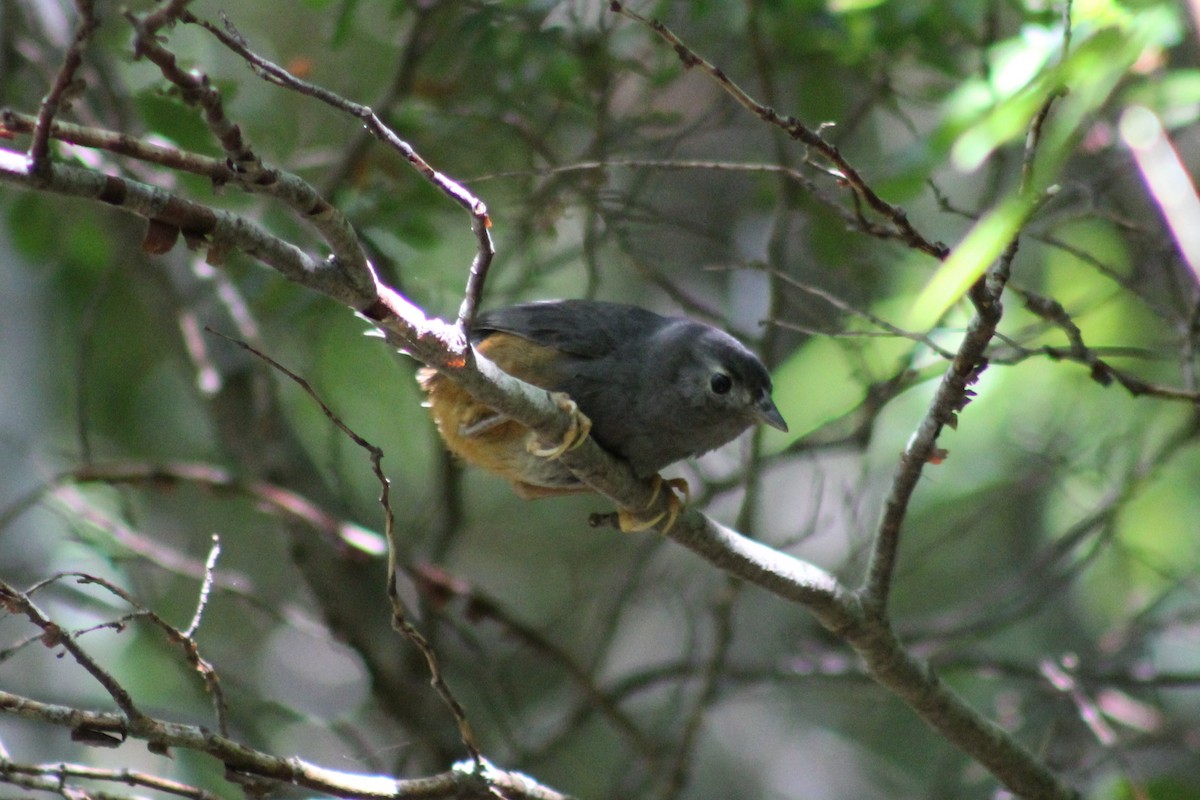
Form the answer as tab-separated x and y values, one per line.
171	119
970	259
345	19
1090	74
847	6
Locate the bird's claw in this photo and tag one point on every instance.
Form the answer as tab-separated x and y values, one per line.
630	522
577	431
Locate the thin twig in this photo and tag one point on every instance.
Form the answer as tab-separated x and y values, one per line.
346	537
842	170
952	396
241	760
54	778
443	588
710	684
399	616
788	173
861	313
18	602
210	566
62	89
413	48
480	222
186	642
248	169
1101	371
123	144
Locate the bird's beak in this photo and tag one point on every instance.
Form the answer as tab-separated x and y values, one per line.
766	412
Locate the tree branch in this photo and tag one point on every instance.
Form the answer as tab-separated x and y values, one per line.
240	759
63	89
844	171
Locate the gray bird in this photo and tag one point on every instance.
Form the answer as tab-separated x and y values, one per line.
656	389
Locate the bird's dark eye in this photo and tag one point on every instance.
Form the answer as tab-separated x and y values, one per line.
720	383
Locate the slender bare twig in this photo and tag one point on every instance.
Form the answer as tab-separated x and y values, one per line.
1101	371
952	396
399	616
210	566
788	173
443	588
480	222
131	542
125	145
413	48
464	781
57	778
185	641
347	537
843	170
710	683
17	602
61	91
246	166
861	313
829	664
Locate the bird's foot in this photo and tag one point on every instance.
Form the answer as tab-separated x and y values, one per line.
577	431
483	423
630	521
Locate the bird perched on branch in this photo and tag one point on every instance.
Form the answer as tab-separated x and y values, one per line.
647	388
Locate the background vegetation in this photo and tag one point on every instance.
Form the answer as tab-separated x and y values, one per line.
1047	567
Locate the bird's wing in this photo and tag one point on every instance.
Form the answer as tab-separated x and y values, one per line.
533	363
579	328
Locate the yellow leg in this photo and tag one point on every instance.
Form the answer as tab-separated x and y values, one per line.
579	429
630	522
